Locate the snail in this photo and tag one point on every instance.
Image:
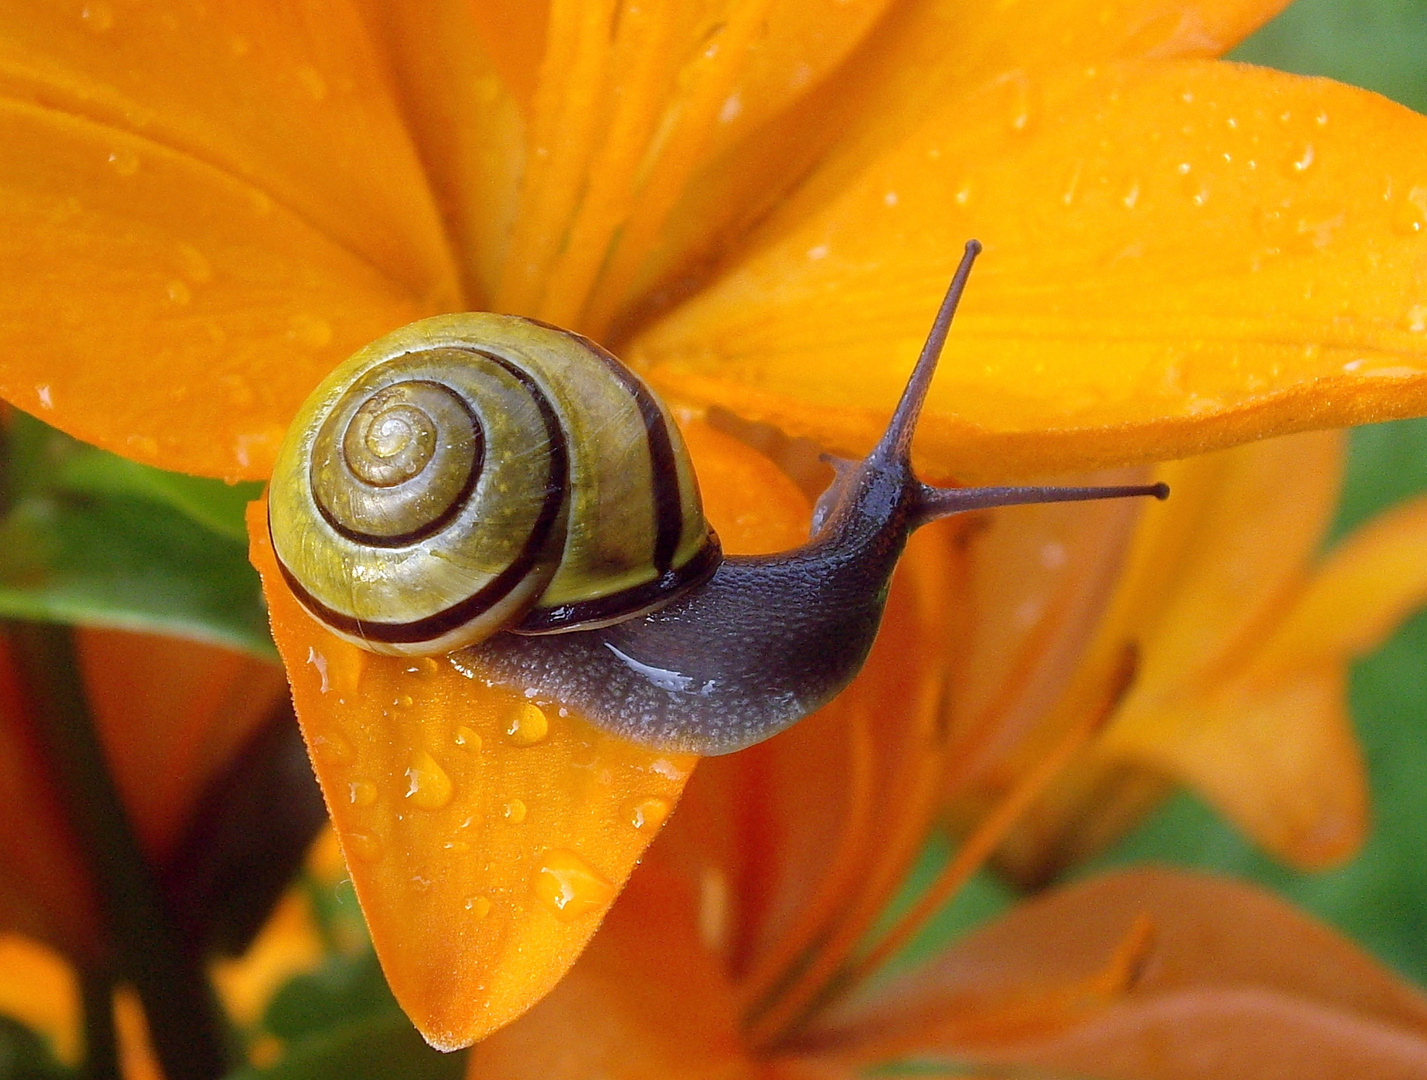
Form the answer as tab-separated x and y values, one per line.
499	487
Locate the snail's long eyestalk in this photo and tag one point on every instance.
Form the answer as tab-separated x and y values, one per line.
896	444
938	502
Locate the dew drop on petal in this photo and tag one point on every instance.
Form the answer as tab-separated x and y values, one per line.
333	747
1409	214
313	82
468	739
98	17
569	886
423	667
363	846
362	793
427	785
1300	160
513	811
478	906
647	813
528	724
308	330
124	162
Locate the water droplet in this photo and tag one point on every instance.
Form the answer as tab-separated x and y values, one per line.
1053	555
403	701
179	293
142	446
313	82
513	811
890	198
1131	195
457	847
309	330
362	792
478	906
1020	100
569	886
648	813
1300	161
42	391
362	846
97	17
240	390
427	784
528	725
193	264
1409	215
124	162
317	660
468	739
669	770
423	667
333	747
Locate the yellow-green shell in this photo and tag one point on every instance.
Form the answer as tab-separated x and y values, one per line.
476	472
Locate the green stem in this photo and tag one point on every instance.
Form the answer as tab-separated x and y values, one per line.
101	1050
185	1021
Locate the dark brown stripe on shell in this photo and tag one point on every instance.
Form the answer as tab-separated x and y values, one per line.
668	501
441	520
640	600
443	622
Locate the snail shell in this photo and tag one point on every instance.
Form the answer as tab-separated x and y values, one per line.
474	473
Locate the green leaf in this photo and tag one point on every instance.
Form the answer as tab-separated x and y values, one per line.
25	1055
378	1048
88	538
343	988
1377	44
216	506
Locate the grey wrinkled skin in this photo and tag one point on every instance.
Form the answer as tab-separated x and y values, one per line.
767	641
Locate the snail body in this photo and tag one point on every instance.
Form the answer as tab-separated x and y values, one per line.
494	485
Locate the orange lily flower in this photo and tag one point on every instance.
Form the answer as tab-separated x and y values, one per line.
757	205
1140	975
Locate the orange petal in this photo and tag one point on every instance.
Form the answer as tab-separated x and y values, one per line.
454	62
1216	565
1207	576
645	1002
171	714
289	101
486	834
40	990
919	57
1280	759
1179	256
1211	580
162	308
1365	587
1230	982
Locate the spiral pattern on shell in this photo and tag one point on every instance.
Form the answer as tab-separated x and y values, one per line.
473	473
